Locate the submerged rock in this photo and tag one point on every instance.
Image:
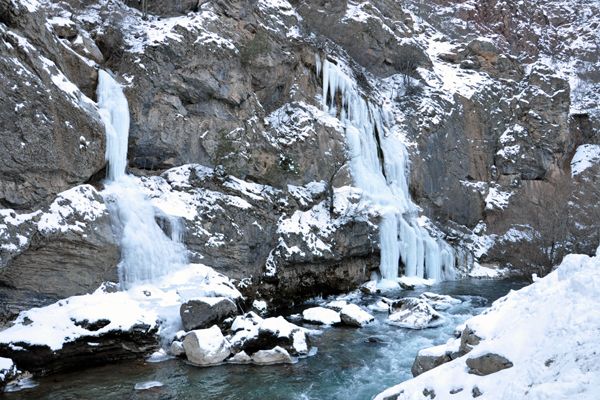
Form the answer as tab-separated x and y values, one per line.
204	312
206	346
353	315
276	355
321	315
413	313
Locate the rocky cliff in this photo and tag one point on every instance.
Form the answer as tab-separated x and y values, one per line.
496	101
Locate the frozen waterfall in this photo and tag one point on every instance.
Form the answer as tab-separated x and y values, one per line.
146	252
379	166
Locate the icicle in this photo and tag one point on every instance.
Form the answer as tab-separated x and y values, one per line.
146	252
384	181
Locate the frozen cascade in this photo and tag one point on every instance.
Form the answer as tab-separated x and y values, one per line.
379	165
146	252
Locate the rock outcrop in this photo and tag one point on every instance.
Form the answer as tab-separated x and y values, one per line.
204	312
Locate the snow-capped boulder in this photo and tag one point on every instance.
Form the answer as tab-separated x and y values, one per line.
276	355
252	333
204	312
176	349
353	315
206	346
321	315
439	302
413	313
8	371
240	358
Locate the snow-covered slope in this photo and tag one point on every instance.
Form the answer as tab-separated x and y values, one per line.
549	331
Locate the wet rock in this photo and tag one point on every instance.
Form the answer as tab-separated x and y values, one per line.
276	355
413	313
206	346
240	358
204	312
321	315
353	315
487	364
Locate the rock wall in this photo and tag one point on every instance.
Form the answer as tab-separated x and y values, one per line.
228	133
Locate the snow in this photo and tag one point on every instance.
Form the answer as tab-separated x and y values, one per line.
480	271
548	330
496	198
356	314
321	315
54	325
7	367
586	156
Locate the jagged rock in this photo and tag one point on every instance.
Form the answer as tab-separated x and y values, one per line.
487	364
206	346
321	315
413	313
65	249
353	315
425	362
276	355
204	312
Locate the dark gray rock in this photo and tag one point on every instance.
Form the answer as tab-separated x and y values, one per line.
207	311
487	364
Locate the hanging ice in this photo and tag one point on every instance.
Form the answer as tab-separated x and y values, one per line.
146	252
379	166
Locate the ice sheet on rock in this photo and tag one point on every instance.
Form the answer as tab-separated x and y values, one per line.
548	330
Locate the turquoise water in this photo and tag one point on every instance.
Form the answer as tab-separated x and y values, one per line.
354	364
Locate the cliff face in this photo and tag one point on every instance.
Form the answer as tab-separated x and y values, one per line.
493	98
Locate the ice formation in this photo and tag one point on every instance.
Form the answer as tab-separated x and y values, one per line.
146	252
379	165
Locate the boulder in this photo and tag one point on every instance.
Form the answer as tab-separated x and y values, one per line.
321	315
252	333
8	371
353	315
177	348
276	355
206	346
413	313
439	302
204	312
240	358
487	364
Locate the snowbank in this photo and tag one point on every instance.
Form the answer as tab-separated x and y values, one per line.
548	331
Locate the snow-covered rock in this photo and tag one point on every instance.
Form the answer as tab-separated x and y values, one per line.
547	331
206	346
252	333
353	315
276	355
240	358
176	349
8	370
439	302
413	313
321	315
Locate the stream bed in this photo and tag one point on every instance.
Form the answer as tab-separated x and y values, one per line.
352	364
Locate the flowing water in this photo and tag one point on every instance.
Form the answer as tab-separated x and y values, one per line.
352	364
